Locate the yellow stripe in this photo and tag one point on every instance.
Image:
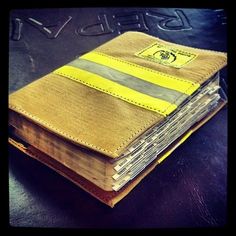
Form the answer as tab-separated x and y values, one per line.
172	149
116	90
147	74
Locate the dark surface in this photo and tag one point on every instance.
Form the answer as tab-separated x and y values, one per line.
189	189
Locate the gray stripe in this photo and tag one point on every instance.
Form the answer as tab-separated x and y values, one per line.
131	82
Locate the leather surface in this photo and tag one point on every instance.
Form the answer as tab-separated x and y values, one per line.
176	194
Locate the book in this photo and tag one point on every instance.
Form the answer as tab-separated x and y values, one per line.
109	117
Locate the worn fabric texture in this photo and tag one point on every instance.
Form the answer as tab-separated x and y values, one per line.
81	114
94	119
206	64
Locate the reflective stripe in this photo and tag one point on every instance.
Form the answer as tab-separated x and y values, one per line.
155	77
132	82
116	90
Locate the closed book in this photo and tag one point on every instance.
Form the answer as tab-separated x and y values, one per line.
109	117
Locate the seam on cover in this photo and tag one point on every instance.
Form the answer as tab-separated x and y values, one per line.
117	95
144	68
79	140
214	68
156	72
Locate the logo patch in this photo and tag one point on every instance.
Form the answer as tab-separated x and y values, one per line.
165	55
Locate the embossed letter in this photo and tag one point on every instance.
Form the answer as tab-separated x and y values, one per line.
130	21
171	22
99	28
46	30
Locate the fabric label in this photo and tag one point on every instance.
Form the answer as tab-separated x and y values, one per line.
166	55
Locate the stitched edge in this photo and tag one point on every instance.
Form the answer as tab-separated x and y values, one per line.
214	69
145	68
156	72
114	94
114	153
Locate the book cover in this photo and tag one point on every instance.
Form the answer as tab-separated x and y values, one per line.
107	118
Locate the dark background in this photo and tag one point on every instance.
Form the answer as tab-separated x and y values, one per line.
189	189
